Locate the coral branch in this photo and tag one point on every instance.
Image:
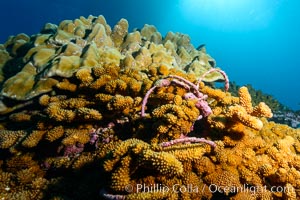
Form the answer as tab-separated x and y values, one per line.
187	139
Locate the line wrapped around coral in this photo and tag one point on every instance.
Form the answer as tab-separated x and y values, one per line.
187	140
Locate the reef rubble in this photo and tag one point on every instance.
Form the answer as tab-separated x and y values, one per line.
89	111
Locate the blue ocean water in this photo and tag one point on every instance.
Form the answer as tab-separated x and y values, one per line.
255	41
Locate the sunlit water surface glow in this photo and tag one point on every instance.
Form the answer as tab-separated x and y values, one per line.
229	15
254	41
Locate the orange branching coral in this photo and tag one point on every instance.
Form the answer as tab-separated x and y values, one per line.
83	160
239	113
245	99
120	103
73	136
9	138
225	181
33	139
72	109
66	85
20	117
167	162
54	133
262	110
59	114
164	163
249	117
217	94
236	111
23	172
84	75
174	120
89	113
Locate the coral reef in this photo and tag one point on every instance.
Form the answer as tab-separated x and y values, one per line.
94	112
258	96
289	117
281	113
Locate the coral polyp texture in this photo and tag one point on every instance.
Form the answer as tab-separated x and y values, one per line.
90	111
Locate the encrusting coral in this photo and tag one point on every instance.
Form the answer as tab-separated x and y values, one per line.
94	112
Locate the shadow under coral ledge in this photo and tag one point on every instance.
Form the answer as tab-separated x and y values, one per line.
94	112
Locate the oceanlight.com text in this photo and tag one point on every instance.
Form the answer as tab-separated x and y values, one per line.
213	188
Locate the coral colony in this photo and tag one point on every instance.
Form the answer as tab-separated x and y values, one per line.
200	98
90	111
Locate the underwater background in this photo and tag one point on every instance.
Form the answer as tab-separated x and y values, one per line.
256	42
